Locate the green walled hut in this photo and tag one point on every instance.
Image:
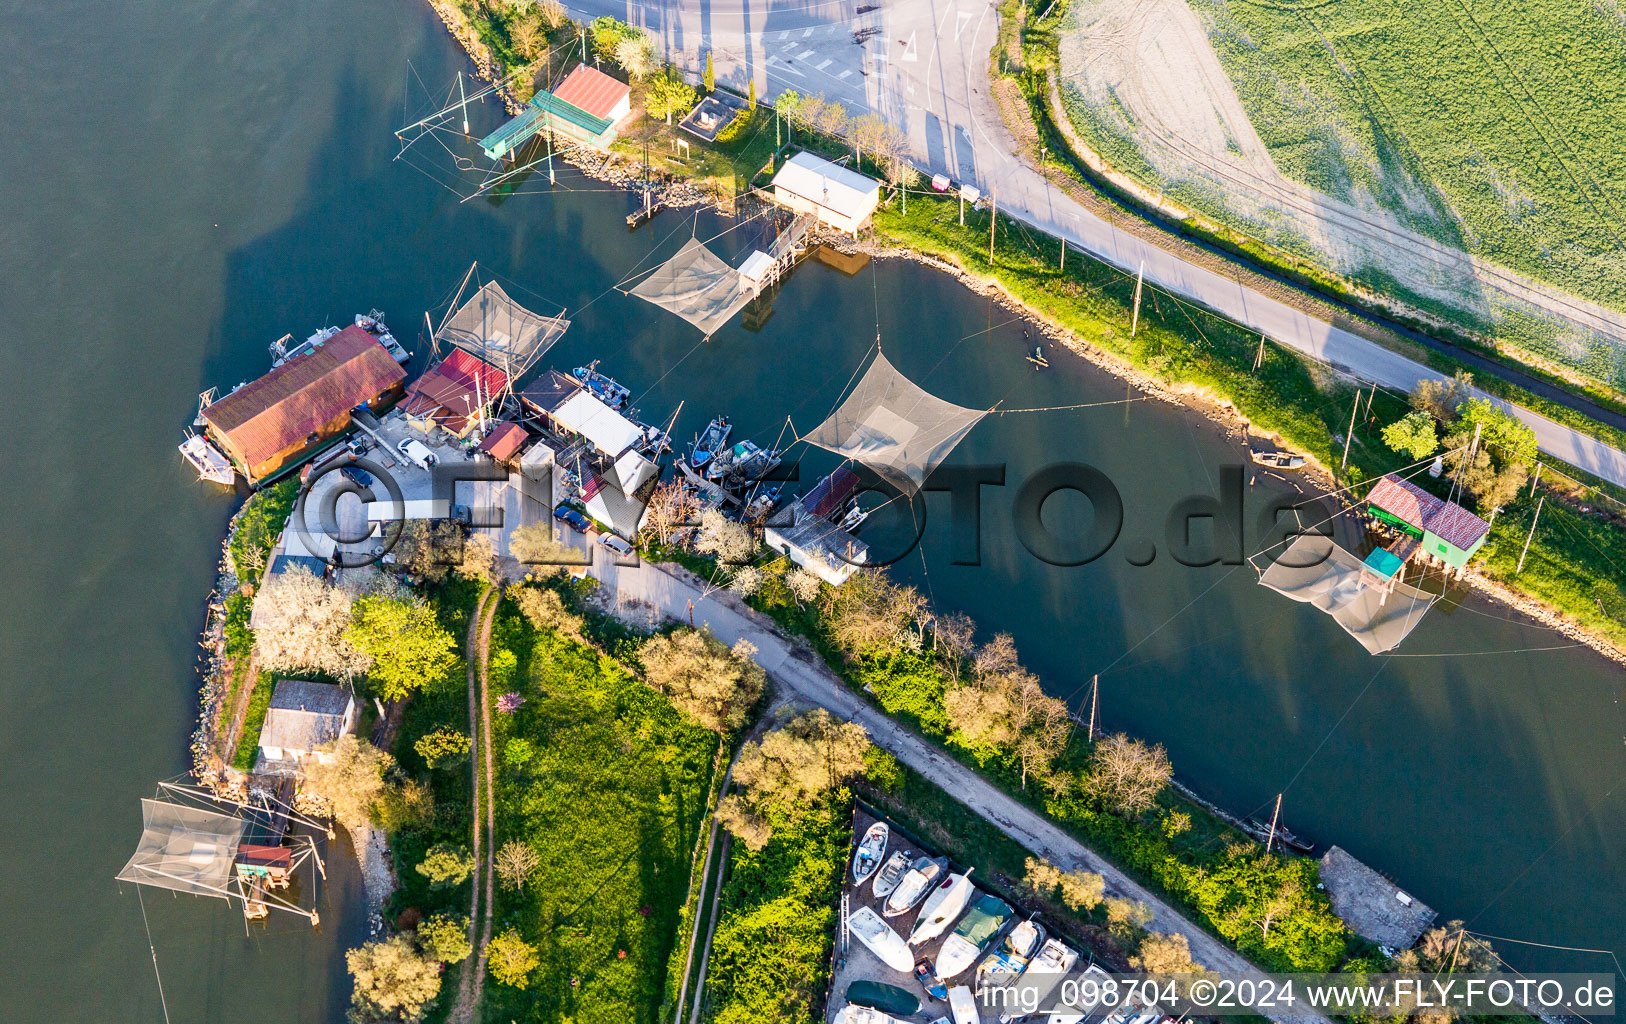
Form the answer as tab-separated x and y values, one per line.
1446	532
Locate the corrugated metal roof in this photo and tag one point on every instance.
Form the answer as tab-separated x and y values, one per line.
304	695
610	432
843	191
298	398
593	91
1457	526
570	114
504	440
1445	519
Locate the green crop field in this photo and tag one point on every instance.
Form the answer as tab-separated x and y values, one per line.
1512	113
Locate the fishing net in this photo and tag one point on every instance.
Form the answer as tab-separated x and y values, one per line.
1380	617
500	331
894	427
698	286
186	849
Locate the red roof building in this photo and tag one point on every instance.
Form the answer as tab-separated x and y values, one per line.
452	395
273	422
595	92
1449	532
504	441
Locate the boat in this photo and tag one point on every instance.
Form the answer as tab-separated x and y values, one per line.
758	507
1012	956
963	1006
1277	460
746	462
1082	999
1044	973
605	389
854	517
866	925
372	322
852	1013
883	997
210	462
926	974
1261	831
870	852
891	873
942	907
710	441
973	934
916	883
1037	358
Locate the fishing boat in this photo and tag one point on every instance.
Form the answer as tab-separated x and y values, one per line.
866	925
746	462
1261	831
710	442
1044	973
870	852
1012	956
855	516
1037	358
973	934
210	462
852	1013
1082	999
372	322
886	998
1277	460
605	389
760	505
916	883
891	873
942	907
926	974
963	1006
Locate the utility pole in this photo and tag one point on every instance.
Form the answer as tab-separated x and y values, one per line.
550	152
962	206
1064	255
1095	703
993	218
1350	436
1134	319
584	46
1532	536
1259	357
1274	818
463	101
1534	478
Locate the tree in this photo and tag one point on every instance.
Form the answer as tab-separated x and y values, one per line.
1164	954
479	559
803	585
428	548
1282	901
511	959
1413	434
446	865
669	96
404	641
710	77
409	804
1492	483
674	504
515	862
443	748
445	937
745	824
746	580
870	616
1127	918
606	33
393	980
527	36
714	685
1127	774
1440	398
1512	438
545	610
1080	890
1005	707
300	622
635	53
732	543
954	641
552	13
536	544
352	783
802	760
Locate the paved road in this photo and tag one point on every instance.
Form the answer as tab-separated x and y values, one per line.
677	594
923	65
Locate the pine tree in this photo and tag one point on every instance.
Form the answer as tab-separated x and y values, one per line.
751	98
711	76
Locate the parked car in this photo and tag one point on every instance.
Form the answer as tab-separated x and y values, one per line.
417	452
357	476
358	446
573	519
615	544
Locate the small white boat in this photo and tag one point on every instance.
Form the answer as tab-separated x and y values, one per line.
854	517
1044	973
210	462
942	907
866	926
1012	956
891	873
855	1014
972	936
916	883
870	852
1278	460
963	1005
1093	984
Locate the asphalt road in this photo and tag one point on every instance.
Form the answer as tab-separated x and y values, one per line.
923	65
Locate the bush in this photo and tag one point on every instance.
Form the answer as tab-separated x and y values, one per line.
393	980
445	937
443	748
711	683
446	865
1413	434
511	959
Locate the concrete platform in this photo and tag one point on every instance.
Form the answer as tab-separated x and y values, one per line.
1372	906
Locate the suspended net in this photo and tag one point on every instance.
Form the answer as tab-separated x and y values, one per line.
500	331
894	427
1377	612
698	286
186	849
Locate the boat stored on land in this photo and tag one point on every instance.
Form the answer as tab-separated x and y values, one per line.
1082	999
886	998
916	883
1012	956
891	873
870	852
866	925
972	936
1277	460
1044	973
943	905
963	1005
710	441
852	1013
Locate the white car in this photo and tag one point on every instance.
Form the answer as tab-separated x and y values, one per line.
615	544
417	452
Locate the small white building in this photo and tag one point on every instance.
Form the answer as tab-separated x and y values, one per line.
303	716
610	491
840	198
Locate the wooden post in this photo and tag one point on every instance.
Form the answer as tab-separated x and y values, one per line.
1274	818
962	207
1064	255
463	101
1527	540
1351	435
1259	357
550	155
1134	319
993	218
1095	702
1534	477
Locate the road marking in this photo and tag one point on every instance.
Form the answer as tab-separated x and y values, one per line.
789	69
910	50
804	55
844	74
784	35
791	47
960	21
822	65
807	33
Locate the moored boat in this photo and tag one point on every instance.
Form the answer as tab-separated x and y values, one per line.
604	388
891	873
210	462
866	925
916	883
710	442
761	504
942	907
870	852
1284	837
744	463
1277	460
973	934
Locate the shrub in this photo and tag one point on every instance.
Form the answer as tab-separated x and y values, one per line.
1413	434
443	748
445	937
511	959
446	865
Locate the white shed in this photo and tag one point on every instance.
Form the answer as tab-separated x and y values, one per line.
840	198
303	716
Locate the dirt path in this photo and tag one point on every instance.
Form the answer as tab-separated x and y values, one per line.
477	650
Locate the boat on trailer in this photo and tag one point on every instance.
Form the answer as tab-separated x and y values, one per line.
210	462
